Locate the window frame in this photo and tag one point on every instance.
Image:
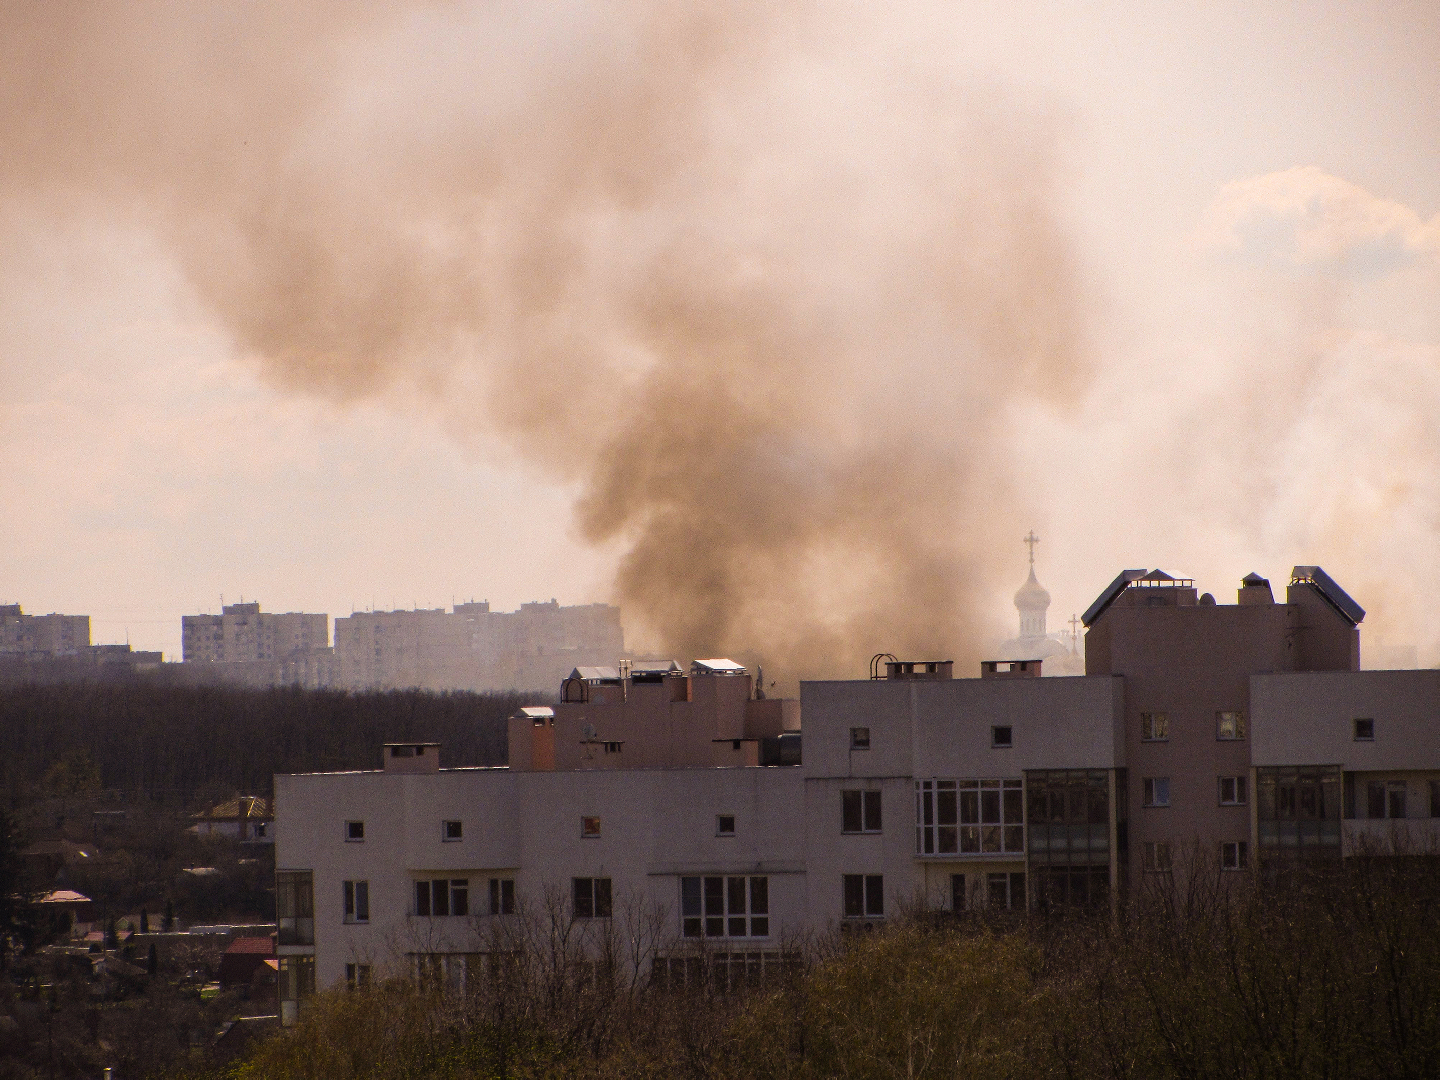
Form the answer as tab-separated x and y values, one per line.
862	896
721	821
859	738
445	832
1155	792
1148	722
1240	790
725	906
590	827
1234	855
502	896
996	742
355	902
1158	857
1363	729
591	891
357	976
354	832
454	891
868	811
1236	719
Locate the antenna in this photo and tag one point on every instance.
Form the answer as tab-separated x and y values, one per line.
588	730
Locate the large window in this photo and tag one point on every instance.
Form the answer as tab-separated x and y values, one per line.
859	811
356	905
442	896
863	896
725	907
295	907
591	897
1298	811
969	817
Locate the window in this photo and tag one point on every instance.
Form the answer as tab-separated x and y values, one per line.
724	824
1155	726
591	897
451	831
357	976
969	817
442	896
502	896
1157	856
859	738
859	811
357	901
1157	791
1233	790
354	832
1229	725
589	827
1005	891
733	907
1435	798
864	896
295	981
1002	736
1387	798
1235	855
614	747
295	907
1364	730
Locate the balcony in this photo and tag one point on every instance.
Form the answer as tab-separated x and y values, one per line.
1390	836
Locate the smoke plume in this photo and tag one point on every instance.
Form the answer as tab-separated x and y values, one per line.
761	278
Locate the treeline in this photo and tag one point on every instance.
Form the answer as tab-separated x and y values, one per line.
1329	976
182	742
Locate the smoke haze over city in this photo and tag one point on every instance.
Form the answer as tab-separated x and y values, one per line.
776	324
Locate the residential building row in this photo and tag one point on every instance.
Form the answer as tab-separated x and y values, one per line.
1203	738
468	647
63	641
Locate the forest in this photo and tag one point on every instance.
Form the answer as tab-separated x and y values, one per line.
182	745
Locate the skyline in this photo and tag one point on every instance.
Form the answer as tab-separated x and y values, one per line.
1218	231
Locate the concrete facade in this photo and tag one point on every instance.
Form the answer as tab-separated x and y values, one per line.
242	633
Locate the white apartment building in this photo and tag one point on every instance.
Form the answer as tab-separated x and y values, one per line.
1200	732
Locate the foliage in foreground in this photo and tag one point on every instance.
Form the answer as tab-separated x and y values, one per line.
1329	977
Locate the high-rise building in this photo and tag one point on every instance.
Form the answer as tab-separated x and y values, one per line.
474	648
33	637
242	633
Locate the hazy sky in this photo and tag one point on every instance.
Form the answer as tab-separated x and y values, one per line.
1196	251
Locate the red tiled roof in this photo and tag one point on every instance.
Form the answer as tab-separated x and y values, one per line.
261	945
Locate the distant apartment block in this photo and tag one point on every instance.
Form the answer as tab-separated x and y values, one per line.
243	633
474	648
33	637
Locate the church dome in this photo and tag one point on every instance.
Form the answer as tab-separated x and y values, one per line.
1032	595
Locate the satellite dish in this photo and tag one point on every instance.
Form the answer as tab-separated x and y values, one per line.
588	730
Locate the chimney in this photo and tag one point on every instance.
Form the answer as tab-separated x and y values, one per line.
1255	589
